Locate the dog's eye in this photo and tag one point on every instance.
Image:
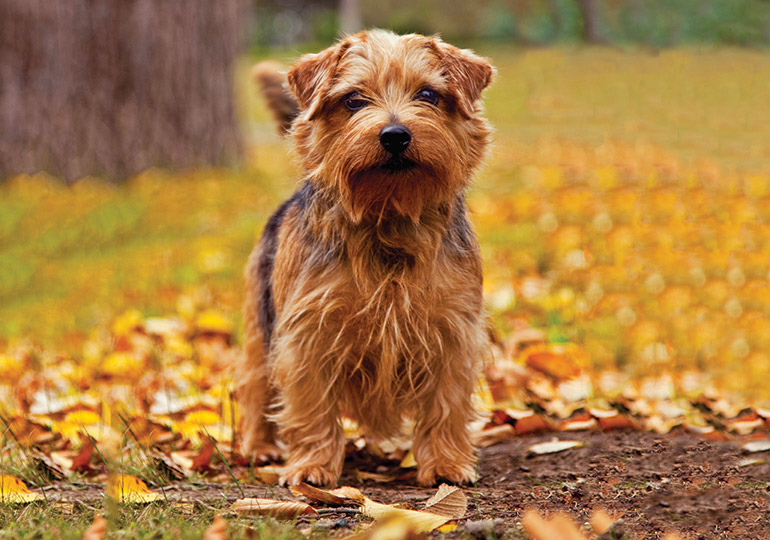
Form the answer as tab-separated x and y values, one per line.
354	102
428	95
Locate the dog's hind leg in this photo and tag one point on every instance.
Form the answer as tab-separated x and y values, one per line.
252	375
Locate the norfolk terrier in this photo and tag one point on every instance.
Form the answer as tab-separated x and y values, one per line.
364	294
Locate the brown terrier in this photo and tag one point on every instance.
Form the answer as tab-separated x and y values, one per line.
364	294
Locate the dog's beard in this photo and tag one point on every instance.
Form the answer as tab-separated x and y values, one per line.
397	186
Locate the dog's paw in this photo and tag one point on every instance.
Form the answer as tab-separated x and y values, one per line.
312	474
262	452
266	453
458	474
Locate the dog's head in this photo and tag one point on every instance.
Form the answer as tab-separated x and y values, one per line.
391	123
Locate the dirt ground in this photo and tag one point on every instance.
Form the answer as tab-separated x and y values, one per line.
678	482
656	484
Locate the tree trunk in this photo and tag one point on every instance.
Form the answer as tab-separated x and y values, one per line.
589	11
112	87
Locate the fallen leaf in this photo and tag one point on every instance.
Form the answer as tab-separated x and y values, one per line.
551	361
531	424
761	445
391	529
13	490
580	425
376	477
269	474
409	461
272	508
96	530
420	521
449	501
130	489
748	462
553	446
320	495
217	530
349	493
493	435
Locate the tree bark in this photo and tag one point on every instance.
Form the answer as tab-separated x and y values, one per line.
112	87
589	11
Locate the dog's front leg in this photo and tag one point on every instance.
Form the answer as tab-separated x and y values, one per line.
310	425
442	440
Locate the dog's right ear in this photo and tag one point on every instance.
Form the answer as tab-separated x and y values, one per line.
311	77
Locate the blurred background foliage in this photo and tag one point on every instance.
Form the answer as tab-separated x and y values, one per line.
624	208
653	23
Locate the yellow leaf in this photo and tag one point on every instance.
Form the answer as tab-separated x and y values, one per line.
13	490
420	521
126	323
123	365
409	461
214	322
273	508
130	489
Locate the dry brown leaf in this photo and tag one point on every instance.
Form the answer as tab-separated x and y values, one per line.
217	530
494	435
203	460
82	461
96	530
273	508
349	493
376	477
553	446
449	501
315	494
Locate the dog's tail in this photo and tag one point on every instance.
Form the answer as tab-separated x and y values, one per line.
271	81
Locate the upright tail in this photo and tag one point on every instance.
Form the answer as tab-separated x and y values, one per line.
272	83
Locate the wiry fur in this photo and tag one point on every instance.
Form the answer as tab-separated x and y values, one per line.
364	294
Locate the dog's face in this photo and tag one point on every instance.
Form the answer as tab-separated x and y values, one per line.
391	123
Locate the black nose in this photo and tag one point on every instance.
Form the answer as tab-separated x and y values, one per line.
395	138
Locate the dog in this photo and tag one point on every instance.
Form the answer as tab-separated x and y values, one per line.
364	293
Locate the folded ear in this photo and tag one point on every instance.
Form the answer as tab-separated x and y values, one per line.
467	73
311	76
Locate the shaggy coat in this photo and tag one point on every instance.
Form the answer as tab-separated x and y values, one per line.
364	295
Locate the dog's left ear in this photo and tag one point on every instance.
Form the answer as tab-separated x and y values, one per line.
468	73
311	76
